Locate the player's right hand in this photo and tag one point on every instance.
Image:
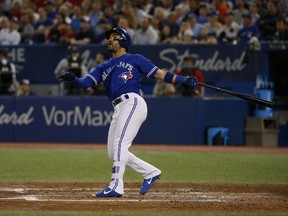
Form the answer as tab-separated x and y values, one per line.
69	76
191	81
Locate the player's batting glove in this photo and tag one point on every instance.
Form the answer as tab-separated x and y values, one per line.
186	80
69	76
191	81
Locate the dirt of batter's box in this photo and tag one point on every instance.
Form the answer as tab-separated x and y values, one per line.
168	197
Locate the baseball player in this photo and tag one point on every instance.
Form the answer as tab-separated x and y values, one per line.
121	76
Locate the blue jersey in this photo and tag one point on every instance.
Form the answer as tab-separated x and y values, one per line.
123	74
246	33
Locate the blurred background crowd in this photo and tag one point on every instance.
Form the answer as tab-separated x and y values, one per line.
80	22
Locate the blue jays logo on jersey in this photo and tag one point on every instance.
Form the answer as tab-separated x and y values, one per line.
126	76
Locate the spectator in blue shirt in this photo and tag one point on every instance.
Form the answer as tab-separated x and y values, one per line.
96	13
85	35
195	26
51	10
76	18
42	26
248	30
203	15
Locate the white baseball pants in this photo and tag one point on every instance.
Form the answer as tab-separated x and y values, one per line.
127	118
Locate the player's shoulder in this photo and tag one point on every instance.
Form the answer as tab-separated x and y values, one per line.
106	64
137	57
134	55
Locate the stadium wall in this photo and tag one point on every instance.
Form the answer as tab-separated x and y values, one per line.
224	65
234	67
86	119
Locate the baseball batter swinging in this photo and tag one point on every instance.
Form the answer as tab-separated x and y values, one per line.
121	76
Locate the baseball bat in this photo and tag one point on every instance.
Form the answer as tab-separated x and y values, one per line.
243	96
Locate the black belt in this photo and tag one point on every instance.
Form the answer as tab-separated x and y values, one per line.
119	100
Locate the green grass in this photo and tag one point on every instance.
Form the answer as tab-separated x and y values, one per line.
78	165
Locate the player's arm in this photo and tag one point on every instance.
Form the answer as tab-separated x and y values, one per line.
90	80
166	76
160	75
84	82
170	77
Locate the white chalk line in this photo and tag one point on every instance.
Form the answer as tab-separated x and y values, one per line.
34	198
17	190
183	195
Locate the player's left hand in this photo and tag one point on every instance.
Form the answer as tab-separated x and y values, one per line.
191	81
69	76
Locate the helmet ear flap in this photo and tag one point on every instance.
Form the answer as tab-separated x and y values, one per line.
123	42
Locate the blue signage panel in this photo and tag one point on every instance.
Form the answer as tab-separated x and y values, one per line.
172	120
50	119
8	118
222	63
98	114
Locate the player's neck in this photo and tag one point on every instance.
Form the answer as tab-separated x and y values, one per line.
119	53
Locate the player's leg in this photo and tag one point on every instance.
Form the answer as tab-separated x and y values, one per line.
131	116
148	171
111	135
109	192
127	119
145	169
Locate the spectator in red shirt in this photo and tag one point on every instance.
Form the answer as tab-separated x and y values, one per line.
17	9
76	2
189	69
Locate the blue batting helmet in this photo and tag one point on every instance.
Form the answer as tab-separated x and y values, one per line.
124	40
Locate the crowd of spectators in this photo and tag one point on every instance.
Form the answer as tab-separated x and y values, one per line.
79	22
